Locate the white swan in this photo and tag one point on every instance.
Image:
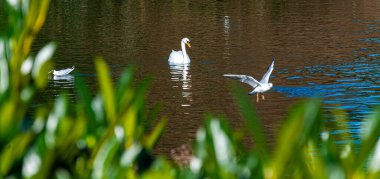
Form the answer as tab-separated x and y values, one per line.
259	87
62	72
180	57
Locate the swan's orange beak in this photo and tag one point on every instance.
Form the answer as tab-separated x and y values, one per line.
188	44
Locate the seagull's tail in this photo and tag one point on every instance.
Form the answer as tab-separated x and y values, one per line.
252	92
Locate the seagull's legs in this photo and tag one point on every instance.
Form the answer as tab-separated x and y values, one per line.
263	96
257	97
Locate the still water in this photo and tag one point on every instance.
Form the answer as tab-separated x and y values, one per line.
328	49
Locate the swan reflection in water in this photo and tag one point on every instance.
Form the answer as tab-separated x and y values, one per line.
180	74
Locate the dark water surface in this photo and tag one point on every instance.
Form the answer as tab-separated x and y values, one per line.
328	49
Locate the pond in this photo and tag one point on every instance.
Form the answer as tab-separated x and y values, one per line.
327	49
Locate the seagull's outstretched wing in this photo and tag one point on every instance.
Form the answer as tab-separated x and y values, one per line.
266	76
63	71
245	79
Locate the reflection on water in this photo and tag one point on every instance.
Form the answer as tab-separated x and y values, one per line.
328	49
227	26
61	84
63	81
180	75
350	85
64	78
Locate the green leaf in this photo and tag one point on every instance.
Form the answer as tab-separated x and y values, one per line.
302	125
4	74
152	139
340	122
37	15
152	115
140	94
215	152
124	91
160	169
14	151
104	159
254	124
130	155
130	124
84	94
373	164
54	120
106	88
222	143
369	137
41	65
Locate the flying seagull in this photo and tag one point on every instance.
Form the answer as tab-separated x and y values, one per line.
259	87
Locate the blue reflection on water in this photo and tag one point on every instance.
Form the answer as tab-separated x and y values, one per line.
353	86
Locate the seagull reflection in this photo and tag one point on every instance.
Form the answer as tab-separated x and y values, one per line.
63	78
181	75
65	81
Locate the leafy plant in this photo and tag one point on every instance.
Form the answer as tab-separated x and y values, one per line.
305	148
101	136
105	136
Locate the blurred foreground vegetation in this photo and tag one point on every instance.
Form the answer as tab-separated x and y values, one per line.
105	136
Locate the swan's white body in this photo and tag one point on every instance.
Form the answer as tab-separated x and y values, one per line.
180	57
63	72
259	87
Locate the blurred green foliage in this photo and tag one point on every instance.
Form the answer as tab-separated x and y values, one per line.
99	137
105	136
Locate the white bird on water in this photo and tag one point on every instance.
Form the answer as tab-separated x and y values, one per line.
180	57
62	72
259	87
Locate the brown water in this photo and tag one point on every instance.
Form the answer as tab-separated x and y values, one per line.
328	49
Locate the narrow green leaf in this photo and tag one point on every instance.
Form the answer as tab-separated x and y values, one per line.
84	94
130	125
54	120
13	151
374	161
340	122
124	85
130	155
221	153
254	124
223	145
369	137
4	74
105	158
152	114
141	92
152	139
42	64
160	169
37	14
106	88
301	126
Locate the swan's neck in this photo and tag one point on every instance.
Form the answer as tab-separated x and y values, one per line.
183	47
